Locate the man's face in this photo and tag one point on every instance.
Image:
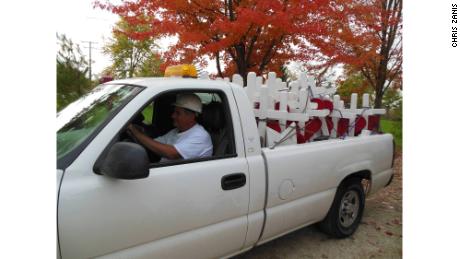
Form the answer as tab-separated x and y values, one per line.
183	119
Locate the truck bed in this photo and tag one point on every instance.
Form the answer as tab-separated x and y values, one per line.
302	179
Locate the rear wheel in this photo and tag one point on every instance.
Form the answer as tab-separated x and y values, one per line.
346	211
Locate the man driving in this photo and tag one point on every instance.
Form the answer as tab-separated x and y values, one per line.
187	140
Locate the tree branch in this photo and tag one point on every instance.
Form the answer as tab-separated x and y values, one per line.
207	9
251	44
269	54
368	77
230	10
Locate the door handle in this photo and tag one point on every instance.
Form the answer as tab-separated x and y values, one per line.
233	181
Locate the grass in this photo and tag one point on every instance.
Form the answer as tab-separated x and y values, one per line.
148	114
393	127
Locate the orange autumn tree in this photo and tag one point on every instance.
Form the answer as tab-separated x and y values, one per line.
243	35
369	42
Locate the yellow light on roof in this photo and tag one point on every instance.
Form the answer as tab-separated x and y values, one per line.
181	71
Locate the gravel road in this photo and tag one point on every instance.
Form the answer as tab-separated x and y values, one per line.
378	236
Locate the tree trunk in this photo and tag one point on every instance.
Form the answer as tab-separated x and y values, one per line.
380	82
378	96
241	62
388	37
219	70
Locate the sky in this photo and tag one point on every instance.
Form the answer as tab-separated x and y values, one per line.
85	23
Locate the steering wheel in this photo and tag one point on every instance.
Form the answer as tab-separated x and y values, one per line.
153	157
138	120
131	137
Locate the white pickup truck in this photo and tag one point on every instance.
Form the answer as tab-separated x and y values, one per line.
114	200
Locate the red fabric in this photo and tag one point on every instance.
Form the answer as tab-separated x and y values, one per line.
323	104
328	105
342	127
300	138
311	127
277	107
373	122
275	125
319	102
360	123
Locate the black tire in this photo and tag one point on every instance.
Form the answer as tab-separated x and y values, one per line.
342	220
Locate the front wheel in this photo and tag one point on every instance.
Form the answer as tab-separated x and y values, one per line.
346	211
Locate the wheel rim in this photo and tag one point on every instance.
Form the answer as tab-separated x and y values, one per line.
349	208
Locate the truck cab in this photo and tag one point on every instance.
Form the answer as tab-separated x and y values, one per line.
99	214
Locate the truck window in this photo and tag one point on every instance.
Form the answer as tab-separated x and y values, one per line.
148	114
215	119
84	117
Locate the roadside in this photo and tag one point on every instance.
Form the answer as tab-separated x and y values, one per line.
393	127
378	236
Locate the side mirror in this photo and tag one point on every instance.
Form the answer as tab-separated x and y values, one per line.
126	160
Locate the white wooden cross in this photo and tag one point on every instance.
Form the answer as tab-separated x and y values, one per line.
301	109
352	113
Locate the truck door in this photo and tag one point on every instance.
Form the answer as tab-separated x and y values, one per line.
187	209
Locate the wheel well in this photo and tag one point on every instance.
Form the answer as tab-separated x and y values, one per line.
364	176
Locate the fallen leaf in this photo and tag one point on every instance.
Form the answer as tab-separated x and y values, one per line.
388	233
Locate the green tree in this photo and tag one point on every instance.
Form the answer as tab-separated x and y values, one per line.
354	83
369	41
150	67
71	68
392	101
131	57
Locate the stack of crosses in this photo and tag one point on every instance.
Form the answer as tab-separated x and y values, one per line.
286	116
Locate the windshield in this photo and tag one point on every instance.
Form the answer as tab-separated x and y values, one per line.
81	118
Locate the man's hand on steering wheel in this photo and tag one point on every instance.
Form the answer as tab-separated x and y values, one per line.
131	131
